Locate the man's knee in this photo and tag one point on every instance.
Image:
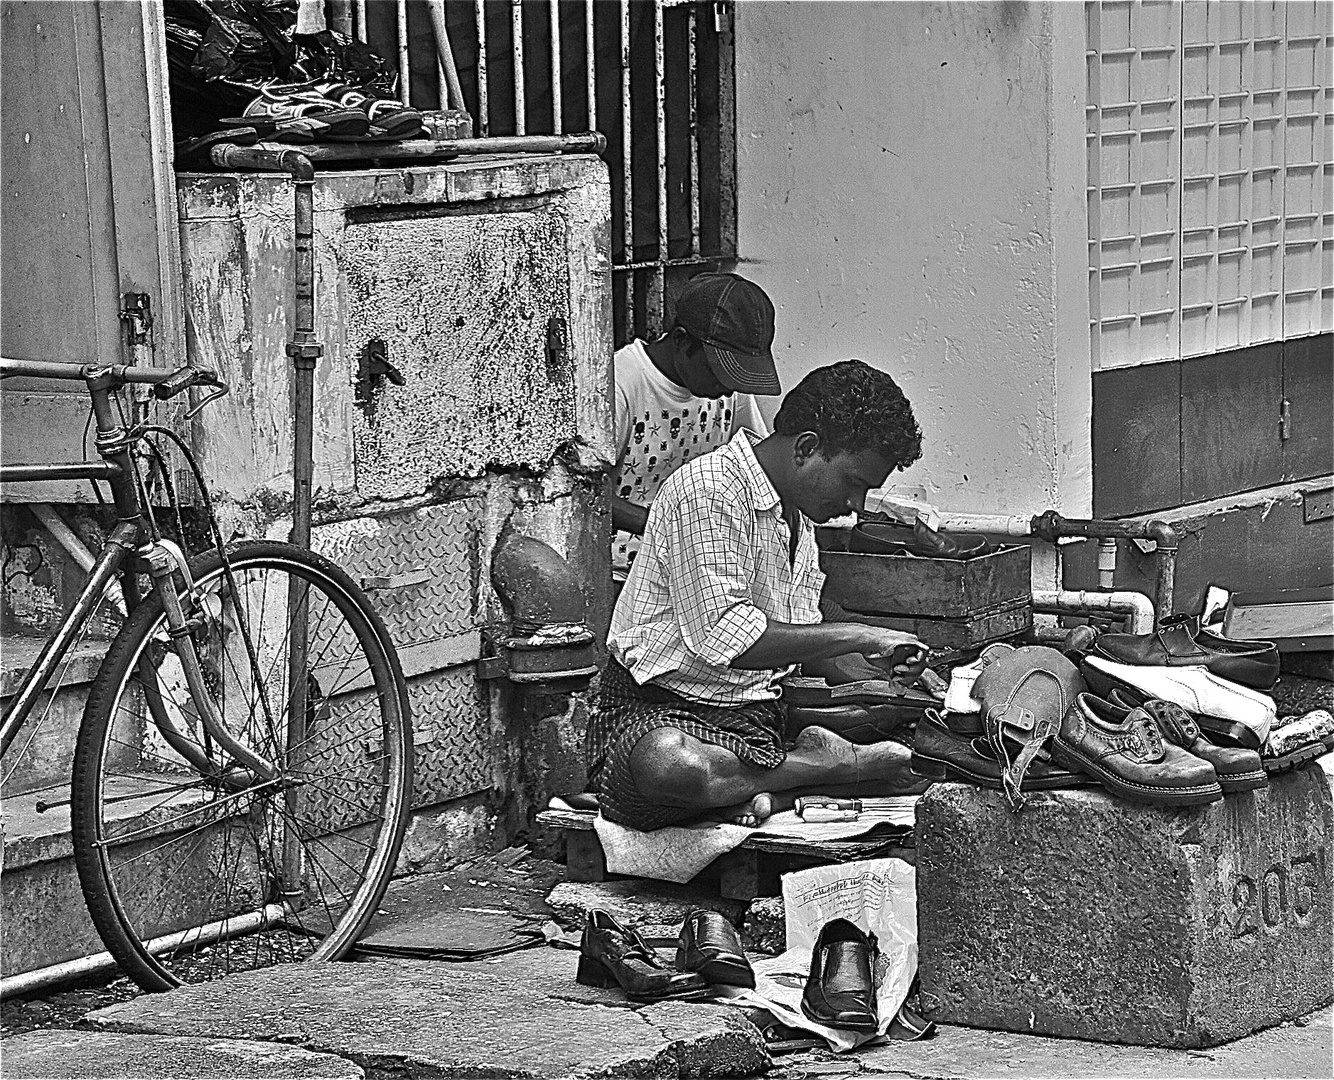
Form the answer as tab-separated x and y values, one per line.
669	765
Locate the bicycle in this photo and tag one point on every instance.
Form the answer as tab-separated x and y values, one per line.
242	773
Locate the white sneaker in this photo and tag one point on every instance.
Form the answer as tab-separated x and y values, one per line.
1222	707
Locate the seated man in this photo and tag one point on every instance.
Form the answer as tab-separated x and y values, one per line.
723	601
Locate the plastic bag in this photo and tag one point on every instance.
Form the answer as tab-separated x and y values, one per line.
221	52
880	896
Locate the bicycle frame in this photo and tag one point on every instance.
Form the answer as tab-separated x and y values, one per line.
129	538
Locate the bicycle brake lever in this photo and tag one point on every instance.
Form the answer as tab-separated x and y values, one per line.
217	393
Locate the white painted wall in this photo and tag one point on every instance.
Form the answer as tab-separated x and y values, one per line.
911	192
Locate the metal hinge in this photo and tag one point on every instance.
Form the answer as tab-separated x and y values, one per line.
1285	420
136	311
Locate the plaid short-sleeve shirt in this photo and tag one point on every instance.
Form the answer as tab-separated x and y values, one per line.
712	571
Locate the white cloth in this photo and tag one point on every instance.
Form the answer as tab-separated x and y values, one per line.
659	427
713	570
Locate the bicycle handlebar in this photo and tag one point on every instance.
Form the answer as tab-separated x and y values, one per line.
166	383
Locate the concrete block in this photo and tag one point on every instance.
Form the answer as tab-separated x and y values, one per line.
1090	917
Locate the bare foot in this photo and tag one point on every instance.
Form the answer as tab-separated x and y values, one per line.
749	813
827	748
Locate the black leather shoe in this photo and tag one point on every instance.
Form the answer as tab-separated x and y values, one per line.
892	538
861	724
1129	756
941	754
840	990
1237	769
611	955
708	945
1179	642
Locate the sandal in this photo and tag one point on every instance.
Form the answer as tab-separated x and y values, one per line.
299	113
389	119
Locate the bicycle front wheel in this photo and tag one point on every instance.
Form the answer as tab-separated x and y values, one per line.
194	864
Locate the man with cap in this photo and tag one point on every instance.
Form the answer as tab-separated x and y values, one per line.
687	393
723	601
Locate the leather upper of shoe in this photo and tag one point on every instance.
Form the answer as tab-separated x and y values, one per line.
709	937
1129	743
875	537
1179	727
973	755
612	944
1178	643
840	990
1195	689
857	723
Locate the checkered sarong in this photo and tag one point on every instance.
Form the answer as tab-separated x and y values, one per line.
625	712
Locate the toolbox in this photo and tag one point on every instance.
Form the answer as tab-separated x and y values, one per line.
951	604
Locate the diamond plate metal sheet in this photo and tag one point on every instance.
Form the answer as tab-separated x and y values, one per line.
419	568
456	750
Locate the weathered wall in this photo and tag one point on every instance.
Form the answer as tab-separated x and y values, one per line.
910	192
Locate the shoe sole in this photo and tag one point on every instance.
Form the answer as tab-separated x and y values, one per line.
1198	795
1294	759
937	769
1247	781
1239	734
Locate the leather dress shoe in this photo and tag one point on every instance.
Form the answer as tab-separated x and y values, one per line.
708	945
1179	642
611	955
939	753
1225	711
840	990
1237	769
860	724
892	538
1128	755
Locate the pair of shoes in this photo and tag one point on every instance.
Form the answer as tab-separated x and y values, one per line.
299	113
840	989
1125	750
389	119
1225	710
707	952
941	752
1238	769
1180	641
892	538
1295	740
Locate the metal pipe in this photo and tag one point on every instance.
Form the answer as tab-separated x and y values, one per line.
340	17
404	62
78	550
655	306
557	105
28	982
996	524
445	53
71	372
592	66
627	141
591	142
516	42
692	34
61	470
1107	562
1136	606
359	11
483	103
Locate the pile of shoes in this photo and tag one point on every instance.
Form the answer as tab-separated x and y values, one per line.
708	954
1178	717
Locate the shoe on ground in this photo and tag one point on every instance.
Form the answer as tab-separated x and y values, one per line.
840	989
1179	642
1237	714
612	955
708	946
1127	753
1238	769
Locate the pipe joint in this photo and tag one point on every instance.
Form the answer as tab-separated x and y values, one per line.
1162	534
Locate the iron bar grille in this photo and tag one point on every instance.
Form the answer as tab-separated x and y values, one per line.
656	78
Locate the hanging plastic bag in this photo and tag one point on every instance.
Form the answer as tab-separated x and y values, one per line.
880	896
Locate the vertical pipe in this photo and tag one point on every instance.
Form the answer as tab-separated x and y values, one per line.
520	106
657	283
557	106
451	91
627	139
693	35
483	100
359	13
404	64
592	67
1107	562
340	17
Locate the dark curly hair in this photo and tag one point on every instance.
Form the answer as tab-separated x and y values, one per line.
852	407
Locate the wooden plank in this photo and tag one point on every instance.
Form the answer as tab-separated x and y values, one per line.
1136	439
1230	439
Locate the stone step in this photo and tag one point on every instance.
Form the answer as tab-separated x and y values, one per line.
43	753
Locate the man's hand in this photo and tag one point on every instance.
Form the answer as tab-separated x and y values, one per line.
894	653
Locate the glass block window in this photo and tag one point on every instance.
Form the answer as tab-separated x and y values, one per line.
1210	135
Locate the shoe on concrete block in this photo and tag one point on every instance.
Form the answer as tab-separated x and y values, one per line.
1237	714
1238	769
1179	642
1295	740
1127	753
941	754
